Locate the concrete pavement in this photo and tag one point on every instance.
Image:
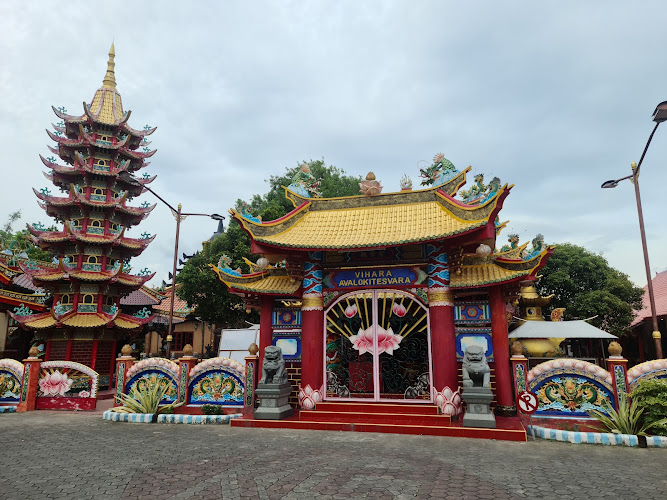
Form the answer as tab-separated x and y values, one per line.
77	455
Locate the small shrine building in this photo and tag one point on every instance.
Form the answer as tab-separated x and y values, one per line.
375	297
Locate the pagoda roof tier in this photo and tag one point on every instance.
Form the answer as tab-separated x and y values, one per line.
76	319
478	271
260	283
359	222
76	199
136	245
64	272
513	253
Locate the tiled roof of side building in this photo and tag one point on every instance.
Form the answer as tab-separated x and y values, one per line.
139	298
660	292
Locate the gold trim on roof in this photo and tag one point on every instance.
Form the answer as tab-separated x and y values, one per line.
82	320
260	283
480	274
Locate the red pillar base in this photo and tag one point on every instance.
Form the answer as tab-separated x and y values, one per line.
251	366
311	390
122	365
186	363
501	353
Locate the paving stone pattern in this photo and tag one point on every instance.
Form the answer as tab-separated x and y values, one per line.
47	454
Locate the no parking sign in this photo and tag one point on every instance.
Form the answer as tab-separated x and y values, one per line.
527	402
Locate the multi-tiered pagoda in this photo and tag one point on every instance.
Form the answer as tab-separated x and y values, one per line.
90	272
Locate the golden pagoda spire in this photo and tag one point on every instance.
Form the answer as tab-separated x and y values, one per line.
110	77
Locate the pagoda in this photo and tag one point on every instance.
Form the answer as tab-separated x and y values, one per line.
90	270
375	298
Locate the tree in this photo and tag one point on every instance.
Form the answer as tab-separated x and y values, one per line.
585	284
200	286
18	242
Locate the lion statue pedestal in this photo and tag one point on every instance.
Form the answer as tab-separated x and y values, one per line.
477	389
273	389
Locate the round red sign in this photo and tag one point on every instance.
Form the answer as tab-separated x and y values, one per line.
527	402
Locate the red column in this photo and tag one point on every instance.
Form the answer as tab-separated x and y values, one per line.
443	333
93	354
68	351
311	389
112	367
501	352
265	322
29	385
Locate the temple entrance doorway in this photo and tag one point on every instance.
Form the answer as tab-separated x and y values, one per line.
377	348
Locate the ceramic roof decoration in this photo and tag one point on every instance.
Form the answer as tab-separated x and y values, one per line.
90	272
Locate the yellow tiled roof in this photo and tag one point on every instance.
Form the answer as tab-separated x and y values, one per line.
270	284
126	324
85	320
45	321
366	222
493	272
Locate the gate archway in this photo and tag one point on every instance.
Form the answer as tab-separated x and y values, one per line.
378	348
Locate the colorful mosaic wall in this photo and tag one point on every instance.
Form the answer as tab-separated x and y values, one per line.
150	371
67	379
472	322
11	376
217	381
653	369
570	387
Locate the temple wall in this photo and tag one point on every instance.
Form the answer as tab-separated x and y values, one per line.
4	323
82	351
58	350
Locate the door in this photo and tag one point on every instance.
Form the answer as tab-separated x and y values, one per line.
378	348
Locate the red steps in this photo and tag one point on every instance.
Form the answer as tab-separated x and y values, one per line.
387	418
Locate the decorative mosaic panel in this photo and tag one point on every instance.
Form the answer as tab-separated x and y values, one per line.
147	378
286	318
249	385
11	376
570	387
290	345
619	375
148	372
67	379
654	369
520	377
220	382
472	312
474	336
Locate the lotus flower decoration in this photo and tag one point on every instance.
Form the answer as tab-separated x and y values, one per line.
387	341
55	384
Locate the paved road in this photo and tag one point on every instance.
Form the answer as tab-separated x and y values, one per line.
75	455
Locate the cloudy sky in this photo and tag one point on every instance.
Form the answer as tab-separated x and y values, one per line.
553	98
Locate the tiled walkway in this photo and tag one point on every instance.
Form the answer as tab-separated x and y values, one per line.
76	455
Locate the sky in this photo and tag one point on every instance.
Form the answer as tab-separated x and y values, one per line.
554	97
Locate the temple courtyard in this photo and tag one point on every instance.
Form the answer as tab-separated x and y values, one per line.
46	454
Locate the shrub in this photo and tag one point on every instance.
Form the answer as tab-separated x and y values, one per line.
652	396
212	410
146	400
627	419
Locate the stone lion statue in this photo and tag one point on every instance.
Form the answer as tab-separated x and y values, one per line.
273	366
476	371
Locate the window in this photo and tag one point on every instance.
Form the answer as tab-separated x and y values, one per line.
96	223
181	339
88	298
65	299
110	300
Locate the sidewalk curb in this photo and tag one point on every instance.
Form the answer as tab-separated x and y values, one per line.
604	438
144	418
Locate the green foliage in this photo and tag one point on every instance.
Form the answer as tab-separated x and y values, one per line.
19	241
212	410
626	420
652	396
146	400
199	285
585	284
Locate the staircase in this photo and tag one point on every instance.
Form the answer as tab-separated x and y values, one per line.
418	419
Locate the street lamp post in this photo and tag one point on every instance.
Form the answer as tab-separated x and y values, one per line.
180	216
659	116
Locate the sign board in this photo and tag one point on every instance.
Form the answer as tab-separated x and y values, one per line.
527	402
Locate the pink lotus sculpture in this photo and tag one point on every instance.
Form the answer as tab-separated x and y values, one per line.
387	341
55	384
